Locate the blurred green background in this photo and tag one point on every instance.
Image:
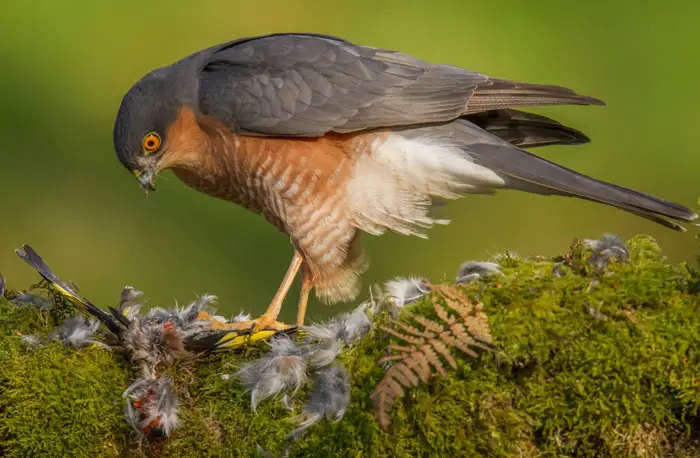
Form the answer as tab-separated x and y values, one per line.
66	65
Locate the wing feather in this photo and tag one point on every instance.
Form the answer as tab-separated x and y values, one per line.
308	85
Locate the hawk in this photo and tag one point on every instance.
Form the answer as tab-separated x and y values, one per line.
327	139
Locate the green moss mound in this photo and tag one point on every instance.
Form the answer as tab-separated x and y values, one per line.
588	364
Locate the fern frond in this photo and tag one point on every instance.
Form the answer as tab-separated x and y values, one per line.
433	359
409	339
409	377
413	330
427	323
444	315
442	349
401	348
454	342
420	365
425	345
390	358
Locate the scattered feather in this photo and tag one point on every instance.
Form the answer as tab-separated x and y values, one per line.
241	317
152	407
264	453
330	398
281	371
31	340
560	269
597	314
77	332
472	270
346	327
128	306
606	249
404	291
188	316
323	354
354	325
26	299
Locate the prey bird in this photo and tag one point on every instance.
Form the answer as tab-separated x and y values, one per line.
327	139
160	335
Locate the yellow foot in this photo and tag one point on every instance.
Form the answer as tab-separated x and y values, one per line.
263	323
260	324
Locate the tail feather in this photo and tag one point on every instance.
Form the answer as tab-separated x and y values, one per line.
514	183
526	130
32	258
500	93
522	167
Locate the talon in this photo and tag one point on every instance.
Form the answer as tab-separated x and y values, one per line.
269	324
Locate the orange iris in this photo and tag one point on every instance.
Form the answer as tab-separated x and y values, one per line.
151	142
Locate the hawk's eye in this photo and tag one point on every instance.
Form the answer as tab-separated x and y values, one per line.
151	142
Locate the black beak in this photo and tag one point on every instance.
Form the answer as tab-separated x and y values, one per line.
146	180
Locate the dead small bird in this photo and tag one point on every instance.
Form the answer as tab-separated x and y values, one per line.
160	335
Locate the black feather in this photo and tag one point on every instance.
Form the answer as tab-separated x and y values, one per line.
527	130
32	258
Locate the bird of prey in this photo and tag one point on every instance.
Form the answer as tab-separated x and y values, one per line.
327	139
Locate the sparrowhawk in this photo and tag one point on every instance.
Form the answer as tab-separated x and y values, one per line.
327	139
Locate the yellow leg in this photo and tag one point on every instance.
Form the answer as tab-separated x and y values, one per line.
267	324
306	285
268	320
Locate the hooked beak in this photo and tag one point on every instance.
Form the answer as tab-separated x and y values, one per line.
146	179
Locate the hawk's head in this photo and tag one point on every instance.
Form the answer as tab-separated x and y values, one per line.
141	126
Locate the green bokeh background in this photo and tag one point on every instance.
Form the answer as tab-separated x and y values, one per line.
66	65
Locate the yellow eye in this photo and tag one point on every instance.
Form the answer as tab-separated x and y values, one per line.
151	142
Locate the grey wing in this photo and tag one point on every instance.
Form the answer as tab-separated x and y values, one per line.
308	85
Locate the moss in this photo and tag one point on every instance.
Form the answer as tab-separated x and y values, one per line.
57	402
588	364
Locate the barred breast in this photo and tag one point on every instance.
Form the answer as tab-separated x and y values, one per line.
298	185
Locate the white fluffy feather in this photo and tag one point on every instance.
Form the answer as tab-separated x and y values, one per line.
393	186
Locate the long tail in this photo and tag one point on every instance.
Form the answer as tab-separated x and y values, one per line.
500	93
527	172
526	130
32	258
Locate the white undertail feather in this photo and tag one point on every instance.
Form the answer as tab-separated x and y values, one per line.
394	186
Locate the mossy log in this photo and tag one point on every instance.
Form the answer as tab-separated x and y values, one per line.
587	363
